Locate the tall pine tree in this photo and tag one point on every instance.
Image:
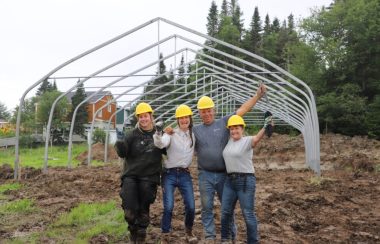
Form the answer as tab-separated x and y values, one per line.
82	114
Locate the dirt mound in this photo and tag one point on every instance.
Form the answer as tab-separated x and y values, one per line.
97	151
337	152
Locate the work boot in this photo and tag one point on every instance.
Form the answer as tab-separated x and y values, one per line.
141	235
132	237
190	237
165	238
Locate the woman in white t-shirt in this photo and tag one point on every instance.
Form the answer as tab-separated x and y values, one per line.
176	174
241	181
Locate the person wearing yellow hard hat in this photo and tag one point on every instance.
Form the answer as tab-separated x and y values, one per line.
211	138
176	174
141	172
240	183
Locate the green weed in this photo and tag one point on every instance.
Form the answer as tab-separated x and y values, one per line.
88	220
9	187
18	206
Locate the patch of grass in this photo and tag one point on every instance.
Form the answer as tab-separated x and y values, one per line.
319	180
88	220
9	187
18	206
34	157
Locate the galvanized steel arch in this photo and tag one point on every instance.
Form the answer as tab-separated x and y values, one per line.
303	109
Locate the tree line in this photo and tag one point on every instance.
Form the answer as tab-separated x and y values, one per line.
335	51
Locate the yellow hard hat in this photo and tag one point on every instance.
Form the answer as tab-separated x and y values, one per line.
183	110
235	120
143	108
205	102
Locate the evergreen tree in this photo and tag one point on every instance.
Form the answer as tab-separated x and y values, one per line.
46	86
291	23
253	37
236	19
82	114
267	26
275	27
161	87
212	23
224	11
181	79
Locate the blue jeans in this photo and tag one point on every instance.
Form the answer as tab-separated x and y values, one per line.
173	178
242	188
209	184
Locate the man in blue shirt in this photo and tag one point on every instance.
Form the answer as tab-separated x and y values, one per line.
211	138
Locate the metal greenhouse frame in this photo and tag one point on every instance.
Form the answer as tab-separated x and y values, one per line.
220	73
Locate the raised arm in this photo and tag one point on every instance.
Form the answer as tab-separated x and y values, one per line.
248	105
255	139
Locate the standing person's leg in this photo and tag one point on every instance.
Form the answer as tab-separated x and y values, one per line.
246	195
168	186
228	205
147	195
130	204
207	192
185	186
221	178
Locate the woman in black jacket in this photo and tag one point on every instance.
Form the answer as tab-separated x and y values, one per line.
141	172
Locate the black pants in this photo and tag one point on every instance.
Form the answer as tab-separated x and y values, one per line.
137	195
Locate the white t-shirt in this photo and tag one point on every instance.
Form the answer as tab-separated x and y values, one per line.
238	155
179	152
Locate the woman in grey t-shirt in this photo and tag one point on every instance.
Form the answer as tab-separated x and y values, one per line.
241	181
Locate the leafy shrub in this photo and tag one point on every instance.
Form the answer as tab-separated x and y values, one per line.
99	135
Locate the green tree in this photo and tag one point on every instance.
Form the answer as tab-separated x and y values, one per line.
225	10
46	86
212	20
267	25
4	113
346	38
28	116
236	19
44	105
343	111
253	37
372	118
82	114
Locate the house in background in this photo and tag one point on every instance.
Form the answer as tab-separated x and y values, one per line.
94	104
122	119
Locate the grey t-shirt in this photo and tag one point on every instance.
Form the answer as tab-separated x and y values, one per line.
238	155
209	144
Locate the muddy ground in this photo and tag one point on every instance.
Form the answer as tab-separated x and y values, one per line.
292	205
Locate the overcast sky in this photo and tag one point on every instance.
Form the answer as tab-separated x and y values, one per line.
37	36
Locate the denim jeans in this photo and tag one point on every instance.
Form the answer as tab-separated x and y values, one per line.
242	188
173	178
209	184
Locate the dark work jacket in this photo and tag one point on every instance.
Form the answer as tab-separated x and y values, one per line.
141	158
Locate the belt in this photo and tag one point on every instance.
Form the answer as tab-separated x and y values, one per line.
234	175
178	170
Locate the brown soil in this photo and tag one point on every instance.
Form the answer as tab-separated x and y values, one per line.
292	205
